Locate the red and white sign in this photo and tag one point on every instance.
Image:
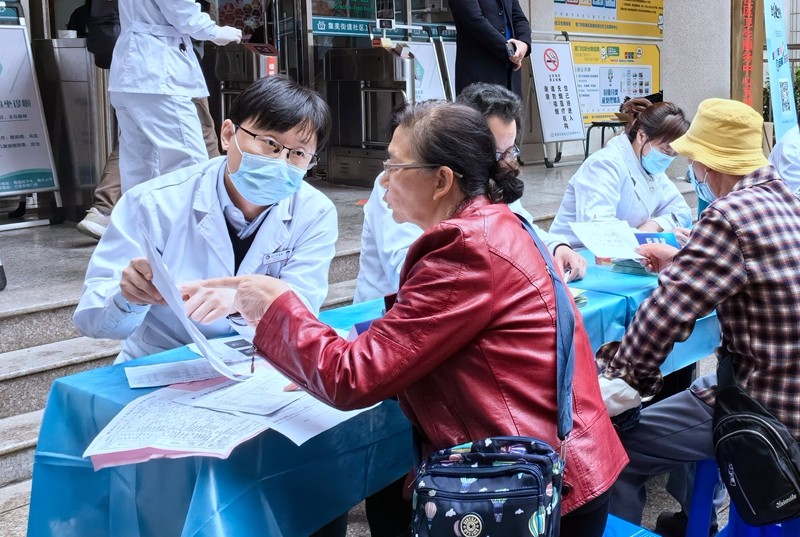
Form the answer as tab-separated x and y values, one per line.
551	60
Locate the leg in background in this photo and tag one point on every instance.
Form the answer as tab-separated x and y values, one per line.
671	433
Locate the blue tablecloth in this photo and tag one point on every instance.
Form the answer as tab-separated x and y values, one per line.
635	289
268	486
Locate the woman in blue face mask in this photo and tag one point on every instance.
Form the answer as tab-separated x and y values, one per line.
626	180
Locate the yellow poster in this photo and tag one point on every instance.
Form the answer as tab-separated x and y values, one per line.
620	18
606	73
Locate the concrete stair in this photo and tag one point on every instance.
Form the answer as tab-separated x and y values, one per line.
45	269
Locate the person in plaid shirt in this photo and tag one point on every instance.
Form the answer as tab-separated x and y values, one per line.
742	259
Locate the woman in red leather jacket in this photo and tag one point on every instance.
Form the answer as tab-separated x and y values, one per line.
469	346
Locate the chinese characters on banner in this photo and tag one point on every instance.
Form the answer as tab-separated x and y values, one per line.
781	89
747	42
556	91
613	18
606	73
25	161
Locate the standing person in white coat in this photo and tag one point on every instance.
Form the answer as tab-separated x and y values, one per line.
626	179
154	76
249	212
384	242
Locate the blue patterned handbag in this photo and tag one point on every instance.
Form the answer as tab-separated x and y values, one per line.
507	485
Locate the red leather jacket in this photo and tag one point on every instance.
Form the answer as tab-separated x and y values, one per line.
469	349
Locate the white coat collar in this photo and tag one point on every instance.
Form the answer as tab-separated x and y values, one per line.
642	181
271	236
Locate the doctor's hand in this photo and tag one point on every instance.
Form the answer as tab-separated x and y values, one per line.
136	283
206	304
681	234
255	293
227	34
570	263
657	255
651	226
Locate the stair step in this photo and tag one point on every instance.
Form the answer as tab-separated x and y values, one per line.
18	436
15	496
344	265
26	374
14	502
340	294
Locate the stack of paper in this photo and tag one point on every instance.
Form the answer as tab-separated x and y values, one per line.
578	296
210	418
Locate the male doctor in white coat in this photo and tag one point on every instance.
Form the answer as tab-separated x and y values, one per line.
384	242
249	212
154	76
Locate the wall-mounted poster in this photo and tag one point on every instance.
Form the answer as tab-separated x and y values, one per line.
606	73
619	18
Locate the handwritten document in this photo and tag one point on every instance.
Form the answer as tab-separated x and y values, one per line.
614	238
261	394
166	286
155	426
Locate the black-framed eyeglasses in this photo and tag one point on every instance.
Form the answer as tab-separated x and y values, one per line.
512	153
389	166
273	149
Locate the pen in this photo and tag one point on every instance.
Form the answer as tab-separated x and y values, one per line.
675	220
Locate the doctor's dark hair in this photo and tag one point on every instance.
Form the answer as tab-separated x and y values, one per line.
457	136
277	103
659	121
493	100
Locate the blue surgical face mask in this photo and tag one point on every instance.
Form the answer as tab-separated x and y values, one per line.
702	189
655	161
265	181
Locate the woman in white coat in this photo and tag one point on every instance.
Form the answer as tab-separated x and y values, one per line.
154	76
249	212
626	179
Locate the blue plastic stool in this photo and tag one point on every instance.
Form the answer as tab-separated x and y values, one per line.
616	527
705	478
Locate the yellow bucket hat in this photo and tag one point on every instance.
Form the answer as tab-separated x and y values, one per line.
725	135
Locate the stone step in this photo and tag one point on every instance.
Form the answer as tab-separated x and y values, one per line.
26	374
18	436
14	502
340	294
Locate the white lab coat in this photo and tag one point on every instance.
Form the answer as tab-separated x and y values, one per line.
183	215
785	157
384	244
154	53
612	185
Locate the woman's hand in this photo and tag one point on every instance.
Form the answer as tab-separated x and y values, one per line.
136	283
657	256
206	304
255	293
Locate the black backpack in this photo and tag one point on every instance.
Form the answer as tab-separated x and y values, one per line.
758	459
103	31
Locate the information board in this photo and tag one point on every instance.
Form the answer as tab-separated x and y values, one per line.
428	83
620	18
606	73
26	163
781	88
556	91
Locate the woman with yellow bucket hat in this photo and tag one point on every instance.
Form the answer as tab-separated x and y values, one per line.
742	259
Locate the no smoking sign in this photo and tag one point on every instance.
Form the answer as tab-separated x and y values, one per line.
551	60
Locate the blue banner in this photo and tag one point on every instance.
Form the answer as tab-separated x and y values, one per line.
781	89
